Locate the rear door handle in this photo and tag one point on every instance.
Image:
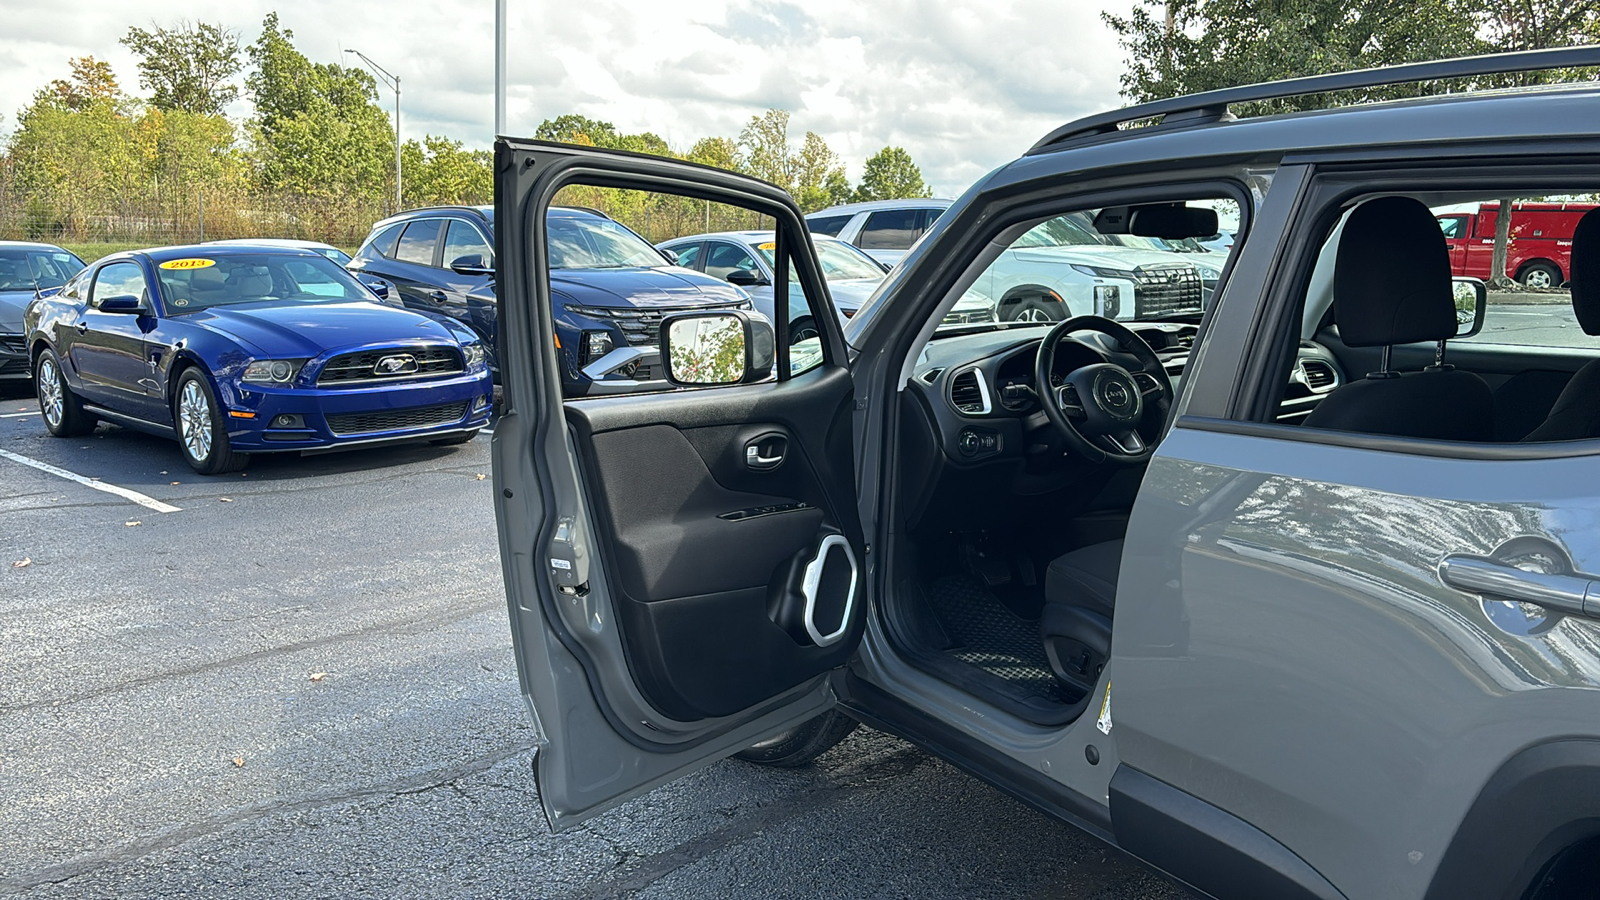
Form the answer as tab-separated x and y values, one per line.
83	327
1575	595
437	296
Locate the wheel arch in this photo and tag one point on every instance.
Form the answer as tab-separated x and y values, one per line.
183	361
1525	265
1020	292
1537	804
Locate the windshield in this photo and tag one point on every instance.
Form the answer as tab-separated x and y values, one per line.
1073	229
584	243
335	254
839	261
198	282
25	269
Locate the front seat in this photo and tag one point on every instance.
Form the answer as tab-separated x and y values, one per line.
1391	285
1080	594
1576	414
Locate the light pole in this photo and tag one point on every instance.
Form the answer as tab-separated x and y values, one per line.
499	67
392	82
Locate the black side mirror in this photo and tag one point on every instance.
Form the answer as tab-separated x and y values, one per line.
121	304
746	278
716	348
671	255
473	265
1472	300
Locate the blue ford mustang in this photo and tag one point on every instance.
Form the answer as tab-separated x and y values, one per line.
239	349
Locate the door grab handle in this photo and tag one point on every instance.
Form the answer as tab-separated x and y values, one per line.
754	459
83	327
1575	595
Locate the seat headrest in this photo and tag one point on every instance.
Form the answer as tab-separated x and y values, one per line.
1585	272
1391	279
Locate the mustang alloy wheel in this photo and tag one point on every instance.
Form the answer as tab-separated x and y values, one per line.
201	430
63	412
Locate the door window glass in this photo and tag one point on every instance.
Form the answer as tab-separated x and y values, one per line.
892	229
1453	226
463	240
417	243
123	279
725	259
689	255
828	225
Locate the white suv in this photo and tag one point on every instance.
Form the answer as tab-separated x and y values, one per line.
885	229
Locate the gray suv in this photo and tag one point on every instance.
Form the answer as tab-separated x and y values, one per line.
1331	541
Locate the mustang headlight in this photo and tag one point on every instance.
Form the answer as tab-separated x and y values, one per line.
1104	272
472	355
272	371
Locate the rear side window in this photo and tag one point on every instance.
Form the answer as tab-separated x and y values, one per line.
892	229
725	259
828	225
463	240
1453	226
689	255
383	242
417	243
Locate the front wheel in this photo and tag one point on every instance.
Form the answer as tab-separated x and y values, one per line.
801	744
1033	310
63	412
802	329
1540	275
202	432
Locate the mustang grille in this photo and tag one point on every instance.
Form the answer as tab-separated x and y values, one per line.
396	419
642	327
1166	289
432	360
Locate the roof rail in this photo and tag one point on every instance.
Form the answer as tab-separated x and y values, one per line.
1213	105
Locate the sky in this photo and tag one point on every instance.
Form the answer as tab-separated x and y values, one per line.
963	86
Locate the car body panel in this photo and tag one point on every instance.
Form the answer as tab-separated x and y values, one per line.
861	215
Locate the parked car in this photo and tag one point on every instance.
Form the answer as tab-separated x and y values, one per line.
27	270
1349	618
1539	252
885	229
242	350
613	288
378	285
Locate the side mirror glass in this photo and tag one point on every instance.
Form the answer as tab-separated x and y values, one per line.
746	278
671	255
1472	299
474	265
718	348
121	304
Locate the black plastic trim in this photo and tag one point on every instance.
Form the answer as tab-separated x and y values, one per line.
1208	847
1392	444
1541	801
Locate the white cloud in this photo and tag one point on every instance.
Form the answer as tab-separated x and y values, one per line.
963	86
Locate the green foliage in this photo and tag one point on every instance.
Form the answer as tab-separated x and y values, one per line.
718	152
811	174
92	84
189	67
891	175
440	171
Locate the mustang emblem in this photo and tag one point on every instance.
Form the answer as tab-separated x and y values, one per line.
398	364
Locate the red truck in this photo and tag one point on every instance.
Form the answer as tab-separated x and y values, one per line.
1540	251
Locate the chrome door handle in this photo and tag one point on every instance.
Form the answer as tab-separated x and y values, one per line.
437	295
83	327
754	459
1575	595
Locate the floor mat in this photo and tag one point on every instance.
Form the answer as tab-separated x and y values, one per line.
993	638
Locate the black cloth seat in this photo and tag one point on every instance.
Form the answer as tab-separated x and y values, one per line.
1576	414
1080	595
1391	285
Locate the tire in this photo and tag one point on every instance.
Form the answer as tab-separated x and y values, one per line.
1033	310
202	432
1540	275
455	439
63	412
800	745
801	329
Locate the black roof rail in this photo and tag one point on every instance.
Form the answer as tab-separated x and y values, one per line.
1213	105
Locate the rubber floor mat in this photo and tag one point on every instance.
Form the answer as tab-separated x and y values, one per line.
993	638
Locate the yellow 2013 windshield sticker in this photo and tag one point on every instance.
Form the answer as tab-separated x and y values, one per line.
192	263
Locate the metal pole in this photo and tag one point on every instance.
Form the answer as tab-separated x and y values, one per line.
398	202
499	67
202	217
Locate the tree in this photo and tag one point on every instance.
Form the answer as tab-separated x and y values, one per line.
806	173
891	175
92	83
439	171
718	152
189	67
575	129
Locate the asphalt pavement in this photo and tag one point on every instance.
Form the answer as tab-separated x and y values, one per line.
300	684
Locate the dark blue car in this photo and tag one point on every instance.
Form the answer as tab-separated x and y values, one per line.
610	287
238	350
26	271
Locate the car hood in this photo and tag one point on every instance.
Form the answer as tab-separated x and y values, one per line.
850	293
307	330
12	303
1105	257
663	287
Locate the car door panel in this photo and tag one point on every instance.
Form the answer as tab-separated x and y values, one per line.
653	550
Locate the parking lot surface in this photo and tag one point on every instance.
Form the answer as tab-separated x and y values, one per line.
300	683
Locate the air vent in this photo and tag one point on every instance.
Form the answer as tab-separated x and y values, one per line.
969	393
1319	375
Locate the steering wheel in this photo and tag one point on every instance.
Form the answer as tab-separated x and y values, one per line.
1098	408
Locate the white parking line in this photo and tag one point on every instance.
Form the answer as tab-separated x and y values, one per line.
124	493
18	415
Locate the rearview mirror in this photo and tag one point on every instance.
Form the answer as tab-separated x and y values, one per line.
1170	221
746	278
121	304
716	348
1472	299
474	265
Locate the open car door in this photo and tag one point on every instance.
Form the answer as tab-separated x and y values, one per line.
683	566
